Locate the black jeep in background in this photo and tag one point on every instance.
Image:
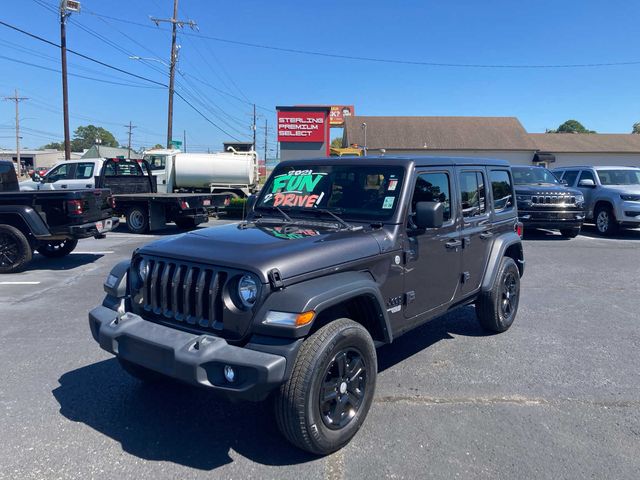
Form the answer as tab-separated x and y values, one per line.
545	202
337	257
47	221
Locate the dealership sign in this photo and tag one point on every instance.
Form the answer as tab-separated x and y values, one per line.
301	126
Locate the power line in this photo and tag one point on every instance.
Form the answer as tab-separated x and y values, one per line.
391	60
86	57
94	79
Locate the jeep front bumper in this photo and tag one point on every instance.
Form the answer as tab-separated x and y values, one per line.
195	359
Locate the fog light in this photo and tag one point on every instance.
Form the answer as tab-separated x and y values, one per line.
229	374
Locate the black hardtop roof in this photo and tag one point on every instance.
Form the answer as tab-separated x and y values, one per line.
418	161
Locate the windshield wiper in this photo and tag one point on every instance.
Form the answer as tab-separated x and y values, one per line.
286	217
340	221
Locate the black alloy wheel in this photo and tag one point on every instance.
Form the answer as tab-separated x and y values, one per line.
509	291
15	251
343	388
496	309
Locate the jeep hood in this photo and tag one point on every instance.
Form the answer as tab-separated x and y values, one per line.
294	250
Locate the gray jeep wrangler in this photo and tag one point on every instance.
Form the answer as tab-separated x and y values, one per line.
336	258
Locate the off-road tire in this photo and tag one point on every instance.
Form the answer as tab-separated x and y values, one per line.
298	404
605	220
15	251
57	249
492	312
137	220
185	223
141	373
570	232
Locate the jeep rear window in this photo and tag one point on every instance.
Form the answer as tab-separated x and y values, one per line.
502	190
366	192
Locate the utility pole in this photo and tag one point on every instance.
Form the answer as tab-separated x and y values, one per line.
173	60
184	141
265	139
66	7
130	127
253	126
17	99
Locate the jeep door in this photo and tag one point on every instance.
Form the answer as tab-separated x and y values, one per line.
477	230
433	256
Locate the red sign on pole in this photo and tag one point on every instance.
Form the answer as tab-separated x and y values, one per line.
301	126
338	114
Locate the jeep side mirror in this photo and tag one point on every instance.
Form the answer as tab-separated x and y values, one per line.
564	182
429	215
251	202
587	183
35	177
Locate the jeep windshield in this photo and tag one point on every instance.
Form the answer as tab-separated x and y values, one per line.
356	192
533	176
619	177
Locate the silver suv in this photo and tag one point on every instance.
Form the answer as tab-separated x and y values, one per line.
612	194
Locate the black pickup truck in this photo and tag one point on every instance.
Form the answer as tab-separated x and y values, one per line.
49	222
136	197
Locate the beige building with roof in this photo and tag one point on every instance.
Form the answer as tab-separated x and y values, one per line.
494	137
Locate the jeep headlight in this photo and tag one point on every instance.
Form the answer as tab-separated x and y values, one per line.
523	199
247	291
630	198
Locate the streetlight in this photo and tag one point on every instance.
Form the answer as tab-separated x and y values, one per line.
364	127
148	59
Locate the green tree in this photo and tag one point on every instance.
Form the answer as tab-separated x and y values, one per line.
336	142
53	146
84	137
571	126
158	146
636	128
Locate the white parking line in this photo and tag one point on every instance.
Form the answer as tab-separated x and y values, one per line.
19	283
92	253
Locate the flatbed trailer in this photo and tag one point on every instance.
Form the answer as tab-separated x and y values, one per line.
137	199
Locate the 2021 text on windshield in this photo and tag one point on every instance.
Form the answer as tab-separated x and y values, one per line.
358	192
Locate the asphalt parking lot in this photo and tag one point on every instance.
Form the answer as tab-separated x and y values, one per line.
557	396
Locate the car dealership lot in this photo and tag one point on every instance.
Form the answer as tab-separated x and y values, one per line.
557	396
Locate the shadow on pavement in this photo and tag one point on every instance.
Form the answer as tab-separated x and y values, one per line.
459	322
69	262
196	428
171	421
621	234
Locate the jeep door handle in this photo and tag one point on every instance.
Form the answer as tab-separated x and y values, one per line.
63	186
453	244
485	235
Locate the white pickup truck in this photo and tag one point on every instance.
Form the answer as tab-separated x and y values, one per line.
134	190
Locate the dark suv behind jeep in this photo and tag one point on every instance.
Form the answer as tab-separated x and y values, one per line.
544	202
337	257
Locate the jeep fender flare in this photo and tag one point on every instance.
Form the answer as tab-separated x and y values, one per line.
24	218
508	244
318	295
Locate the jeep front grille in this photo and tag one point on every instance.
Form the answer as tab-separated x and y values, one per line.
553	200
185	294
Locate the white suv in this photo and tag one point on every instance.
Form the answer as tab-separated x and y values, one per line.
611	194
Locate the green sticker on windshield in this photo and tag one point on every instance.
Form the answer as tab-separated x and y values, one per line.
388	202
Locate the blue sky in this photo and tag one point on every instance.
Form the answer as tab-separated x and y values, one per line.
466	31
